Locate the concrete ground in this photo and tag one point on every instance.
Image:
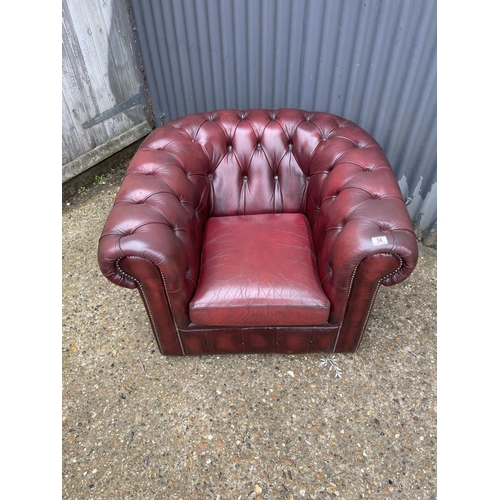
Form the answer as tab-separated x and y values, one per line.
138	425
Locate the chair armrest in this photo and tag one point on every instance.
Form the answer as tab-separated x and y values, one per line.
159	216
362	216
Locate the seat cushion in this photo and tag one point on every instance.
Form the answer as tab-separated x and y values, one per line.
259	270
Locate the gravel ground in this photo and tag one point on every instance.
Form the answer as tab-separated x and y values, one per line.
138	425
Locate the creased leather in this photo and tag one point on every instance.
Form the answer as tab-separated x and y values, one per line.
259	270
245	162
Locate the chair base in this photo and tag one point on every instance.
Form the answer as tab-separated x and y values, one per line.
199	340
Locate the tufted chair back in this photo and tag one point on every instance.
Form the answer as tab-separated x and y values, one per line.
269	161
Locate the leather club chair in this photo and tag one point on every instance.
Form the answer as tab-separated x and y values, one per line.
258	231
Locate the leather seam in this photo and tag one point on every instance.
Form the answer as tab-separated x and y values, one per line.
155	331
368	313
143	295
373	297
347	302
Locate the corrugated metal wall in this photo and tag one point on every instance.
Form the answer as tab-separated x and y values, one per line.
99	71
371	61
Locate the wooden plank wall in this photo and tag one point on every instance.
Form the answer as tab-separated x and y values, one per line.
99	71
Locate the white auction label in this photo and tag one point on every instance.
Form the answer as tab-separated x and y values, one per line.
379	240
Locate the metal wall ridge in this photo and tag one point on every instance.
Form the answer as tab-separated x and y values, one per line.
372	62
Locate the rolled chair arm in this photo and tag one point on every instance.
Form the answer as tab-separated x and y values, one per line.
371	228
344	251
364	238
158	217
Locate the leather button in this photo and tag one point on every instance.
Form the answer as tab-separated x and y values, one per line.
275	177
207	343
311	342
259	145
290	146
277	342
243	343
230	148
245	177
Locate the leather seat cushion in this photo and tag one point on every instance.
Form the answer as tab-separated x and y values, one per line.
259	270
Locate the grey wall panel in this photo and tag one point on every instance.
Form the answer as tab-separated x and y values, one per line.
371	61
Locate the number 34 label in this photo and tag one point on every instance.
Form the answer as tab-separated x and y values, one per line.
379	240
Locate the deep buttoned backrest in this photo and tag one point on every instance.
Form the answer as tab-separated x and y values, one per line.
267	161
254	160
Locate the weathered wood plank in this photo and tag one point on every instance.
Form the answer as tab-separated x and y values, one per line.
98	72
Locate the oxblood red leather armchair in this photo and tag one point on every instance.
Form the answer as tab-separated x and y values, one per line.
258	231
